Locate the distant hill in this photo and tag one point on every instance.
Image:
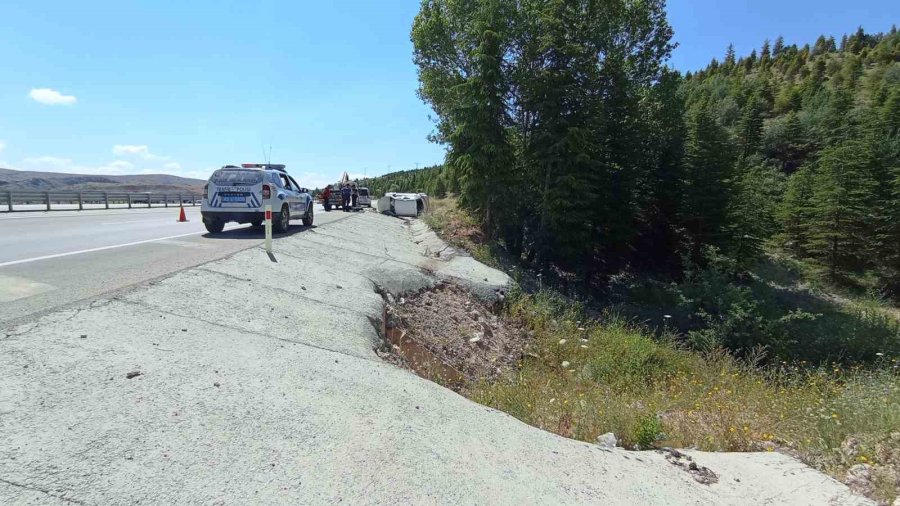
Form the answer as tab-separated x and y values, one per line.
16	180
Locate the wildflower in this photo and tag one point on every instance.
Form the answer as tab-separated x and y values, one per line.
566	364
562	341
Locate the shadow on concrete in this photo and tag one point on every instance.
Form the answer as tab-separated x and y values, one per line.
256	233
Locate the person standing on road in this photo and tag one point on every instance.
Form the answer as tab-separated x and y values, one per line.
326	195
355	195
345	197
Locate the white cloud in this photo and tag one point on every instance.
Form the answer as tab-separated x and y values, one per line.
172	166
129	149
67	166
2	145
51	97
141	150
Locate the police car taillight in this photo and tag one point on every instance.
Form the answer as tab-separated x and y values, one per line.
267	192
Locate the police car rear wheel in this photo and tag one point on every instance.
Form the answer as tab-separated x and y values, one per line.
283	222
308	219
214	226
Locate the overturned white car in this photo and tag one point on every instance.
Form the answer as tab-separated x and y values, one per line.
403	204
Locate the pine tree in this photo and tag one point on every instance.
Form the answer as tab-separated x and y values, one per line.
765	54
708	165
440	188
779	46
857	41
751	125
796	211
753	210
842	199
729	56
821	46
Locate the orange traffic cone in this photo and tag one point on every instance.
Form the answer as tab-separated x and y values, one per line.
182	218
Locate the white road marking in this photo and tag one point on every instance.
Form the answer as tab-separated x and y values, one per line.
135	221
92	250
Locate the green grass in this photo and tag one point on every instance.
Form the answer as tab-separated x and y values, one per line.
582	379
460	230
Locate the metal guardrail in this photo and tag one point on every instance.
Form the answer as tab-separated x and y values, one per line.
44	201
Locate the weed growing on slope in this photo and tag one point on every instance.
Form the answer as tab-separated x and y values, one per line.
583	378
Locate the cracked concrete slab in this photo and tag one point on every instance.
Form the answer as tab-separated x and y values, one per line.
236	404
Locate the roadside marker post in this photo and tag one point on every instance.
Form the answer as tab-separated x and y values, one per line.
268	228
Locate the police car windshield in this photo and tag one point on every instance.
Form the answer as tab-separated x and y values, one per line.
237	177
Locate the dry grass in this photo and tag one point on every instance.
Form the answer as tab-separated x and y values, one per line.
459	229
583	379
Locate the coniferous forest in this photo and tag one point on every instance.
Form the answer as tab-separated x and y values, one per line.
576	146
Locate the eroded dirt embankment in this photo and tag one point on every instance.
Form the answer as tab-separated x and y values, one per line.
447	334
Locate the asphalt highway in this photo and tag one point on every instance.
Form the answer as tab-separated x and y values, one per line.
51	259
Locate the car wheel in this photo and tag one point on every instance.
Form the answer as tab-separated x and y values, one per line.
214	226
308	219
327	207
283	221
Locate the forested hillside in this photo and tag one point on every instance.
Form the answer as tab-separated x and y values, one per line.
810	150
575	146
430	180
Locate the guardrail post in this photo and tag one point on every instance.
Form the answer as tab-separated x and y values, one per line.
180	200
47	198
194	200
80	201
9	201
129	201
166	198
106	199
148	200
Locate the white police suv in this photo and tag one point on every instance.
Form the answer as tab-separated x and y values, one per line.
240	194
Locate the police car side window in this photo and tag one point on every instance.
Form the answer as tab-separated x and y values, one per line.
275	180
287	183
296	185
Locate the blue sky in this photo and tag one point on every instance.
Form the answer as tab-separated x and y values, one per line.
183	87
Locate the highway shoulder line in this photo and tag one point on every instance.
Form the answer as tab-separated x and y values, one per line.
92	250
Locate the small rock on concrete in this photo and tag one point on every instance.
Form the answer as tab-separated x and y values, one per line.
133	374
607	440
